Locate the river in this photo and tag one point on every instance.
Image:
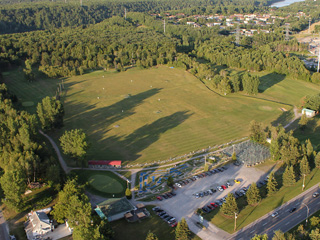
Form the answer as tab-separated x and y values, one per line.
285	3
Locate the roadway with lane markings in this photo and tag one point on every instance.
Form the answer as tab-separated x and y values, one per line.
306	206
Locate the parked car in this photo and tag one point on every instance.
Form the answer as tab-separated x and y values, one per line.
292	210
164	216
197	195
236	181
223	187
237	163
173	194
201	194
173	224
156	209
162	213
205	210
159	198
275	214
316	194
210	192
178	185
164	196
213	190
228	184
224	167
220	188
220	169
210	207
259	184
171	220
214	205
206	193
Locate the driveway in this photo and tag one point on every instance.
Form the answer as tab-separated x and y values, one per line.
184	203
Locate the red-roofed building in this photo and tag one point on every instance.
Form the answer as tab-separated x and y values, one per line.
114	163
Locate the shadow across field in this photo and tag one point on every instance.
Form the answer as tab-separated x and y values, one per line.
269	80
143	137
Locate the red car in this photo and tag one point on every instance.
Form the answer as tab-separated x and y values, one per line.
174	224
223	187
159	198
214	205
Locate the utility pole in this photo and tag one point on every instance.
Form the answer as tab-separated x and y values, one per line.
307	213
238	34
304	178
309	24
287	38
81	3
235	221
125	14
318	58
164	25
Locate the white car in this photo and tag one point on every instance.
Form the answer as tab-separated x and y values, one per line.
178	185
220	189
275	214
316	194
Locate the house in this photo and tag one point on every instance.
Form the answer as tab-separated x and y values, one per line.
37	225
104	163
308	112
114	208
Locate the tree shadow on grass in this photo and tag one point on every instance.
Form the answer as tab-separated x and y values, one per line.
269	80
143	137
283	119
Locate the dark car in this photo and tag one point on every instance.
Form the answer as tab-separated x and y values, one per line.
292	210
205	210
165	196
259	184
214	205
206	193
156	209
220	169
167	218
169	195
164	216
173	194
210	207
213	190
213	171
162	213
224	167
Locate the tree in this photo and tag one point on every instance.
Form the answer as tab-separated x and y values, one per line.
234	156
250	83
13	184
206	167
304	166
170	181
128	193
151	236
260	237
50	113
256	132
28	73
289	177
74	143
314	221
303	122
272	184
317	160
315	234
182	231
230	206
278	235
309	150
253	195
74	206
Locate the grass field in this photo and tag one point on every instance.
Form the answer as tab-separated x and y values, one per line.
102	183
249	214
145	115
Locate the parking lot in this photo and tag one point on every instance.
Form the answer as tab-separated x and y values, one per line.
185	203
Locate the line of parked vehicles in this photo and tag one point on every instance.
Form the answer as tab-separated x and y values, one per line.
200	175
165	216
166	195
210	207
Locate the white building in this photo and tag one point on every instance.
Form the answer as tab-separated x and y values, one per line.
37	225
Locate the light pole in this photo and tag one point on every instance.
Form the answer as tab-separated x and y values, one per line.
307	213
304	177
235	221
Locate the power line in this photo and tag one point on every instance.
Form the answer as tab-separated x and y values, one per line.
287	38
238	35
164	25
125	14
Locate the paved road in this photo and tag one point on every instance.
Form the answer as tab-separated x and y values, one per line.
4	230
285	221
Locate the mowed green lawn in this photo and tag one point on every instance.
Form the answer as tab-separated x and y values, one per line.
102	183
148	115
